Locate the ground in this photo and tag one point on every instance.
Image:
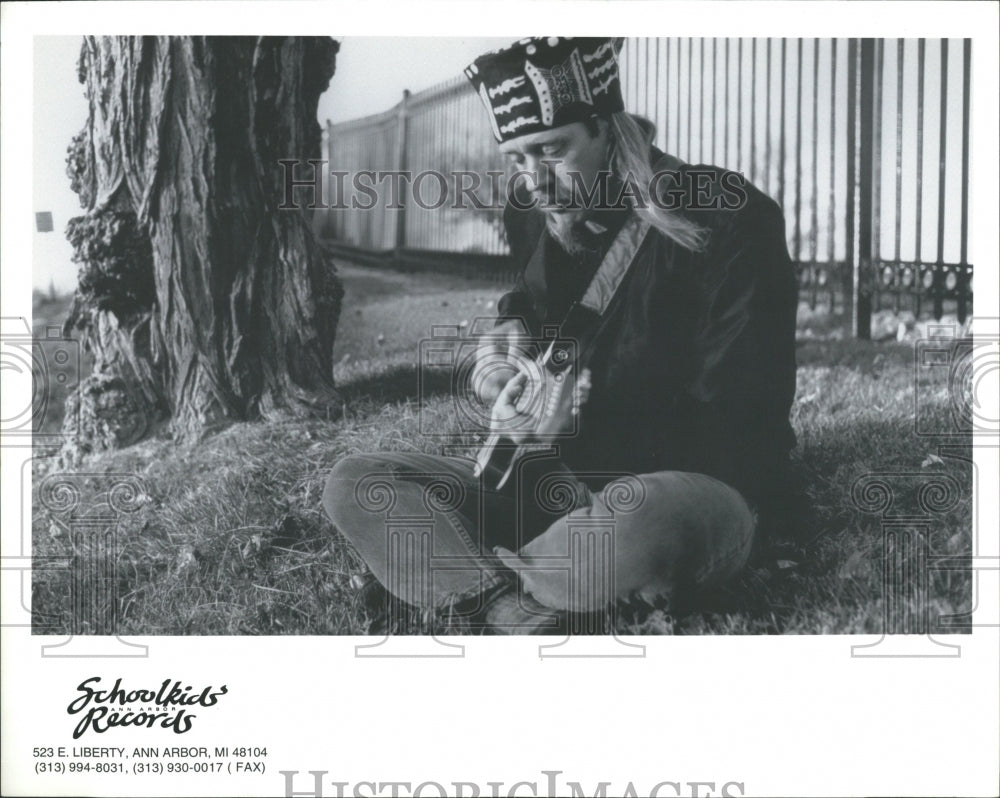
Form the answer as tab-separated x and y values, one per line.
228	537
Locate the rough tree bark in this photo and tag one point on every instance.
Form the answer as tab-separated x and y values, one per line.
178	168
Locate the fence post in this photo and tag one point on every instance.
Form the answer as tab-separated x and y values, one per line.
401	130
963	267
847	276
863	266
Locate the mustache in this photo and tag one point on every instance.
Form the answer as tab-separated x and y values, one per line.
556	197
571	197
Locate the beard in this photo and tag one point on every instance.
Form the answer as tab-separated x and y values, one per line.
582	233
573	235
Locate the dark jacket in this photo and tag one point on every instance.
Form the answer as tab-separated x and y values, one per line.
694	367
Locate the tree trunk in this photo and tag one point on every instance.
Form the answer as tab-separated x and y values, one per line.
183	143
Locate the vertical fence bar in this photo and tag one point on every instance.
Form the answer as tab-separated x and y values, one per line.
647	82
430	229
634	58
328	229
669	142
640	86
814	186
416	143
781	129
414	220
701	99
411	230
449	137
715	82
739	104
630	54
347	163
634	71
897	256
431	111
753	110
798	155
436	141
767	123
670	77
690	100
725	115
372	214
440	166
365	157
877	171
350	152
938	283
324	227
351	221
361	215
831	252
918	257
458	146
862	277
462	128
402	124
425	225
677	110
963	266
656	95
376	214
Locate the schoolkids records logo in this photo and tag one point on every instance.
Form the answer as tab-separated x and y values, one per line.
168	707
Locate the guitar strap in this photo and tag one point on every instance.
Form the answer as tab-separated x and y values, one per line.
583	317
617	261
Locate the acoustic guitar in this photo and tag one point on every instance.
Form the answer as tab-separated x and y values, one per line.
551	403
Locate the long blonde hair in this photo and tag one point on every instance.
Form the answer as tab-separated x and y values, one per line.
632	142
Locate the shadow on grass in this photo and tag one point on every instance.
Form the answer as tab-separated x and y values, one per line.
399	383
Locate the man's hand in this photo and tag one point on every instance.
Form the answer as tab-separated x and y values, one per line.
507	420
498	358
533	406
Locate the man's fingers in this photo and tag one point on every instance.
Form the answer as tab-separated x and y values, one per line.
513	388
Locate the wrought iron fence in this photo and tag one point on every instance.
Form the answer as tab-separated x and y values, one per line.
863	142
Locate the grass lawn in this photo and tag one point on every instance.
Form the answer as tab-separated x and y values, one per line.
229	537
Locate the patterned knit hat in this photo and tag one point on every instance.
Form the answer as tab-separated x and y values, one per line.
546	82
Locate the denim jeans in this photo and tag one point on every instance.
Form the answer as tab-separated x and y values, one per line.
428	529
